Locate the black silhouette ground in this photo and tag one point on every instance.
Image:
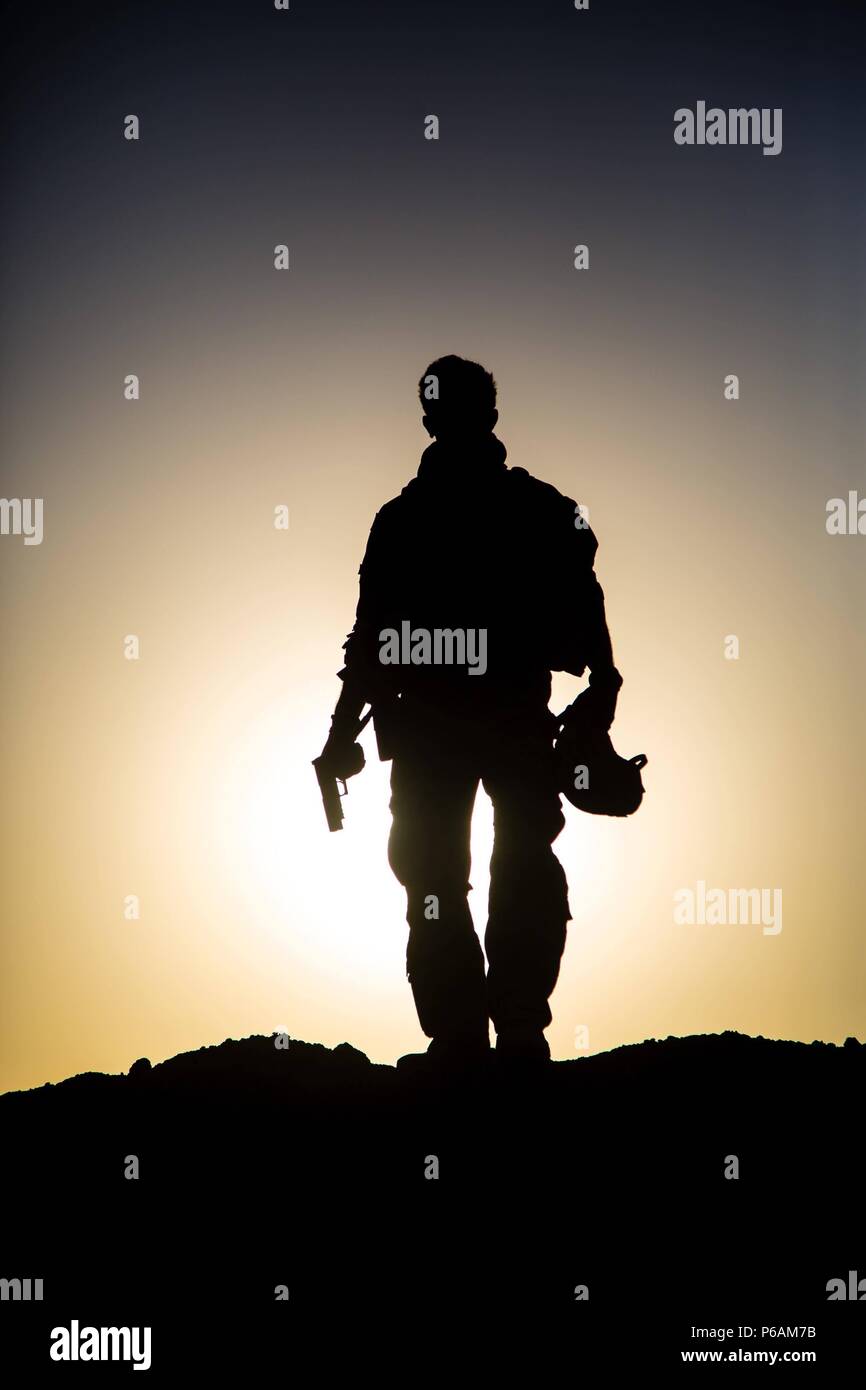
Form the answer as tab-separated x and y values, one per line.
305	1167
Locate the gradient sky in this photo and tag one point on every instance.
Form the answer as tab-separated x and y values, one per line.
185	777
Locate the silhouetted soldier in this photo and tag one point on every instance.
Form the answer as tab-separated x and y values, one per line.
469	547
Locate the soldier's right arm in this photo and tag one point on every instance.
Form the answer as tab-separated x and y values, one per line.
361	667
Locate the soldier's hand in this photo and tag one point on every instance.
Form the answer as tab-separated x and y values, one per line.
343	757
597	705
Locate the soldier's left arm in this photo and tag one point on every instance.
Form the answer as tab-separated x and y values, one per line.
604	679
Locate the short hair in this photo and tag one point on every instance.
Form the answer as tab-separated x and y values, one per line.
464	391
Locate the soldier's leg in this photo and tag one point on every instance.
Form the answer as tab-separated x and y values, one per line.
432	798
528	906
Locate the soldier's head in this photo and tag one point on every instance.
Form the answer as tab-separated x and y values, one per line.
458	399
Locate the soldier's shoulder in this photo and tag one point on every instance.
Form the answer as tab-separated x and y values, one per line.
391	511
534	491
558	517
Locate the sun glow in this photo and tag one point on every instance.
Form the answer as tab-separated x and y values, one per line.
326	897
328	901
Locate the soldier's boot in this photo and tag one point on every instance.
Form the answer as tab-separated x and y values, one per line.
522	1044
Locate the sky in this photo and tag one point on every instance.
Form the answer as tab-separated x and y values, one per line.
183	777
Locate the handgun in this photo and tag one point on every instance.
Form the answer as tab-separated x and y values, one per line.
332	774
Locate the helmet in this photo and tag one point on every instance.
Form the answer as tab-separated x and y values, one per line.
590	772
